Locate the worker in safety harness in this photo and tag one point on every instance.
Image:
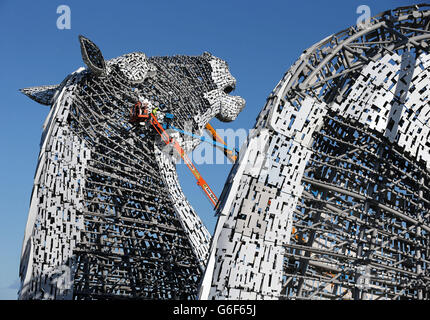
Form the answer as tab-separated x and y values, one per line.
136	110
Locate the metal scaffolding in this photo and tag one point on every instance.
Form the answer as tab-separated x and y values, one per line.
330	196
108	219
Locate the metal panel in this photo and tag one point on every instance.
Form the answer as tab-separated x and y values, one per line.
330	197
108	218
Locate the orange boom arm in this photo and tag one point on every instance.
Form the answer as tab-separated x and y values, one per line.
167	140
138	114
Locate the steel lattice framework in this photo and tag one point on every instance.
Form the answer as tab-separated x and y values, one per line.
108	218
330	197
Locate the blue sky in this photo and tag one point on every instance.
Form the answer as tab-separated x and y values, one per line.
259	39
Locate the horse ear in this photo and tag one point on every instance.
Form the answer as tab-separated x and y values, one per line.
43	94
92	56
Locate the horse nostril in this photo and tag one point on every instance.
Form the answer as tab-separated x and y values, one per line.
228	89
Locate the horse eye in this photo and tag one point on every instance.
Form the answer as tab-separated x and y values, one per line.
228	89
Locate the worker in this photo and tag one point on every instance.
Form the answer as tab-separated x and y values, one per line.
135	111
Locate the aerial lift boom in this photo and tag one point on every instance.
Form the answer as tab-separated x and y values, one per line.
142	115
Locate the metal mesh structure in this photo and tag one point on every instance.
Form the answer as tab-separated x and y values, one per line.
330	196
108	219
